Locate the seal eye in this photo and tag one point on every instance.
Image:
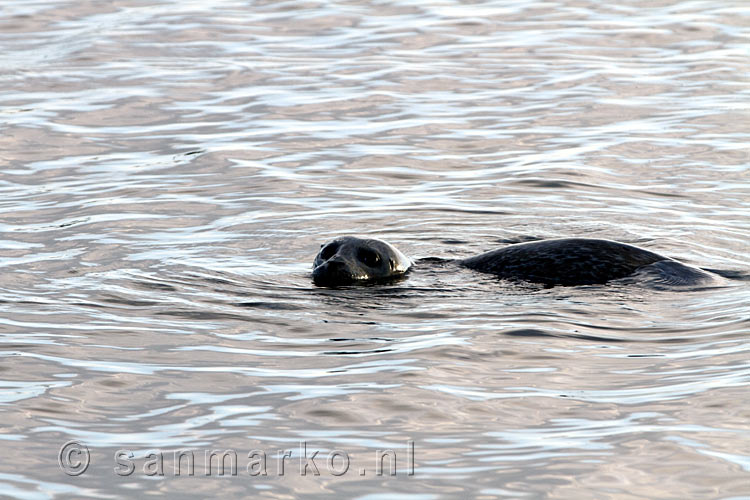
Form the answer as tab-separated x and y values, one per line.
328	251
368	257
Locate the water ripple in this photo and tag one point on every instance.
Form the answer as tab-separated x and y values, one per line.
169	171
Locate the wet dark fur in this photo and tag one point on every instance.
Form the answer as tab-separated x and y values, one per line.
567	262
571	261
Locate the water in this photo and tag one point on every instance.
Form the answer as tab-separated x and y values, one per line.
170	169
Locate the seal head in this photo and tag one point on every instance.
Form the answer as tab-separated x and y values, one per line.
349	260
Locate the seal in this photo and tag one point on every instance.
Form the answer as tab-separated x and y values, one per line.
567	262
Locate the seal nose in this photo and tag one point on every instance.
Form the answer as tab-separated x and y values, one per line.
334	265
331	272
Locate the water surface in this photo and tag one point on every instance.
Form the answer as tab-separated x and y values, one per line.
170	169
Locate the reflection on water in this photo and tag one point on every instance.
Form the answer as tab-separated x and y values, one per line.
169	170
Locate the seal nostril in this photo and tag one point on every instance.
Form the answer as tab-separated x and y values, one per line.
334	265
